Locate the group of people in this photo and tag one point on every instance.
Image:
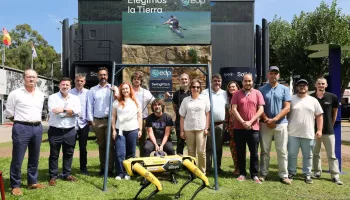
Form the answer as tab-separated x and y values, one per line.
259	116
250	116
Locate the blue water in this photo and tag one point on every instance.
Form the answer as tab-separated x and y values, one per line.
147	28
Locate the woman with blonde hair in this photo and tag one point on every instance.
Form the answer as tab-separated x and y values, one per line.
126	127
194	122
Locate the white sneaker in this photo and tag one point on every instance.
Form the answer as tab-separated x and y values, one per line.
127	177
118	178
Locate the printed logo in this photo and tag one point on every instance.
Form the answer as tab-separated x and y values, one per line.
185	2
161	96
161	73
155	73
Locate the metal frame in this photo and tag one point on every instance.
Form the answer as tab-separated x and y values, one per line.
208	76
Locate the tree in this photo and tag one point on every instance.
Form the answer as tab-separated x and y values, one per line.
289	41
19	54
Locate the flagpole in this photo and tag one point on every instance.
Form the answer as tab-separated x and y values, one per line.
3	58
32	60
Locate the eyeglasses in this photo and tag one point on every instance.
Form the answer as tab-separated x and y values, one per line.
196	87
29	77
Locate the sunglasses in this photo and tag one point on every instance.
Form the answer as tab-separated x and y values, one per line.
196	87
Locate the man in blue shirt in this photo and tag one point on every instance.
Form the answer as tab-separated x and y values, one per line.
97	114
274	125
82	125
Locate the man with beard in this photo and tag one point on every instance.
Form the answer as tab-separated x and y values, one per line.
301	129
178	96
63	108
219	96
82	125
158	125
97	115
329	103
145	98
24	107
247	105
274	124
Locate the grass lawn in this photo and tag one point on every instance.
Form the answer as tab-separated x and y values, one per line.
90	187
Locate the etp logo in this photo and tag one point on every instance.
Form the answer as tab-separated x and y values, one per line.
161	73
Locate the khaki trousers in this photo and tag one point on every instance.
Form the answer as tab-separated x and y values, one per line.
196	143
280	135
101	129
329	144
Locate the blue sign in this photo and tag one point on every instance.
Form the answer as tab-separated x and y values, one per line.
160	85
161	73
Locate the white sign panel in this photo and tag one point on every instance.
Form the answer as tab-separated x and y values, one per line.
3	81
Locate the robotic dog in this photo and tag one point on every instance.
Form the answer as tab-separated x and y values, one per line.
144	167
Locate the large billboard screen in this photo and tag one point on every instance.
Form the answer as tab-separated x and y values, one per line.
167	22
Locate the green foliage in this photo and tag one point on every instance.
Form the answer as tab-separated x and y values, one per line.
19	54
193	54
289	41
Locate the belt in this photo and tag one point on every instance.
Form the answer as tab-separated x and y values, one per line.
218	123
100	118
62	129
28	123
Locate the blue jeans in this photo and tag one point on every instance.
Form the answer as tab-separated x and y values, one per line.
294	143
125	147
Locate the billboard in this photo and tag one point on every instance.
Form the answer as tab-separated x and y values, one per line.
167	22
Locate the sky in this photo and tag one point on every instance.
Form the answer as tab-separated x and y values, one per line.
44	15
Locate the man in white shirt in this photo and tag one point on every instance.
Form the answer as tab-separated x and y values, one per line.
63	109
301	129
24	107
219	108
145	98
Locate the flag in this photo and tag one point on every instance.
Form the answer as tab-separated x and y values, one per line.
6	37
33	51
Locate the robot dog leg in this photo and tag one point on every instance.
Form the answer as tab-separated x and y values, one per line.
194	171
150	179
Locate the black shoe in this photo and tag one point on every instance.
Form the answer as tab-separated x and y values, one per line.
84	172
308	180
337	181
291	176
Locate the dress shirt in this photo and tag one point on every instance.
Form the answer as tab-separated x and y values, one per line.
83	99
194	111
145	97
24	106
59	120
219	104
98	102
